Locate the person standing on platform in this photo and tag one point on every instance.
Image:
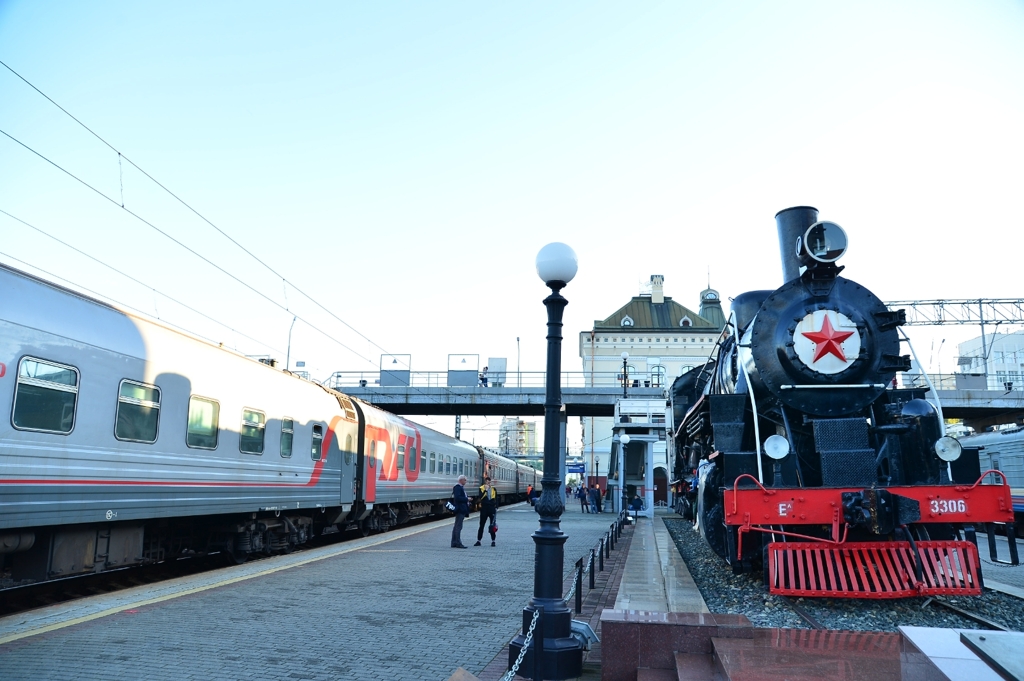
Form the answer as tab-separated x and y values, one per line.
581	494
461	502
488	511
594	494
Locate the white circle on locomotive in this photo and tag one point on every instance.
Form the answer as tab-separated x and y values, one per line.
827	341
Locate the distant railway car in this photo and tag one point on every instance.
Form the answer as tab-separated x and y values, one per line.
129	442
1003	450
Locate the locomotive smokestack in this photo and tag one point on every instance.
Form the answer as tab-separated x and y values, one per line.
792	223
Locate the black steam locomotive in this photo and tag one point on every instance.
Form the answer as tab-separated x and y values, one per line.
806	461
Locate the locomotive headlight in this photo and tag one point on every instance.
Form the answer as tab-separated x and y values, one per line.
777	447
823	242
948	448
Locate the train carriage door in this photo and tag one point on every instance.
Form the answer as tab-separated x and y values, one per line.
348	437
365	480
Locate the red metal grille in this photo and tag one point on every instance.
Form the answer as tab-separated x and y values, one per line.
873	570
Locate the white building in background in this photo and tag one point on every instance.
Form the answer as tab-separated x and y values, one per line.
663	338
517	437
1000	356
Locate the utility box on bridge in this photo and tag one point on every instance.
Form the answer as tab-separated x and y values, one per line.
395	370
971	382
496	371
463	371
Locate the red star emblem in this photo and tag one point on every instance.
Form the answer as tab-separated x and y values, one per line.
827	341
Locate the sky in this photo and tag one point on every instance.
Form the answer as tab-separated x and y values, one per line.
403	163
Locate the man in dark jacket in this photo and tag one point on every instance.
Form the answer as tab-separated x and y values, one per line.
488	509
461	502
583	495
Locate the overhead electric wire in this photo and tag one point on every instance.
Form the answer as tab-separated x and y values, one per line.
121	156
187	248
141	283
125	305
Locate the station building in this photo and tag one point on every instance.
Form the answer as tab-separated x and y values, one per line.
663	339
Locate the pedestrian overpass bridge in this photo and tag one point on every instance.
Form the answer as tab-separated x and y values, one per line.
426	394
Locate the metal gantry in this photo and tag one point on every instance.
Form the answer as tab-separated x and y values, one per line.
980	311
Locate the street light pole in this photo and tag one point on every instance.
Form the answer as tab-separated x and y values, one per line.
288	356
623	442
625	372
561	653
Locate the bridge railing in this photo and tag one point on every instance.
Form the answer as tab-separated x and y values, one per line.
512	380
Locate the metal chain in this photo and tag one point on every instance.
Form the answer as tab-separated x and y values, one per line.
511	673
575	583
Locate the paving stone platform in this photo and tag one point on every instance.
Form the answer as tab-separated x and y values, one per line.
402	605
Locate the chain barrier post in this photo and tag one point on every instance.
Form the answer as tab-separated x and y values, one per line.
611	533
591	569
579	586
600	554
538	647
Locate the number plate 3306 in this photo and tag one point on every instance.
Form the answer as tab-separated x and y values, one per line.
948	506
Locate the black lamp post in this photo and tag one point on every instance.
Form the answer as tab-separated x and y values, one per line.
625	372
562	654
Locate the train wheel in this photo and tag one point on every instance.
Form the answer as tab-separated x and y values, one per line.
235	557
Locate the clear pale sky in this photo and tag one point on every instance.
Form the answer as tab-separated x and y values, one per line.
404	162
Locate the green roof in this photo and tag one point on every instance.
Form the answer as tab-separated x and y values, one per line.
649	316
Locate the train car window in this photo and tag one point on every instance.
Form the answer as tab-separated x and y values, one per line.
432	456
349	456
138	412
287	437
401	457
423	460
203	423
251	433
318	438
373	453
462	466
45	397
447	465
412	458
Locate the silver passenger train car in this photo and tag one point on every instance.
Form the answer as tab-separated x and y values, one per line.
130	442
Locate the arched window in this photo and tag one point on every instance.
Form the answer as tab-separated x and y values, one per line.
657	376
626	321
685	321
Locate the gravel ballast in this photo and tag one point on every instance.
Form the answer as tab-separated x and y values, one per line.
725	592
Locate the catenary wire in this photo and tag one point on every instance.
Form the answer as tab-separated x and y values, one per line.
141	313
141	283
187	248
202	217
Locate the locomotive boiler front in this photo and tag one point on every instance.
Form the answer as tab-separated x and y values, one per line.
821	344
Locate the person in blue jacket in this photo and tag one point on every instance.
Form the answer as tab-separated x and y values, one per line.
461	502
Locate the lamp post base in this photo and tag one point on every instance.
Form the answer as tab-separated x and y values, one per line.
562	654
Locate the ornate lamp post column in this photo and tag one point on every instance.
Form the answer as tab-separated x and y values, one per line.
562	655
